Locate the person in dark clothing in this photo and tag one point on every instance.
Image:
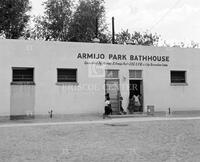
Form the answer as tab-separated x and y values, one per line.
107	109
121	108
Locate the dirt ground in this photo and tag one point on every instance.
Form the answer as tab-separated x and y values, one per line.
155	141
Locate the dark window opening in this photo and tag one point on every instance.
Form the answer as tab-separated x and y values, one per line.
66	75
178	76
22	75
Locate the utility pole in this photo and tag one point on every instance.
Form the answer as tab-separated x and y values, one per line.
97	26
96	39
113	30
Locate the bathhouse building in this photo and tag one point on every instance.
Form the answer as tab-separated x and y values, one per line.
71	78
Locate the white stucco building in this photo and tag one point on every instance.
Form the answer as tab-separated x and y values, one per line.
73	78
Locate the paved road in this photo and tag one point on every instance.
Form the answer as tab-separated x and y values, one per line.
141	139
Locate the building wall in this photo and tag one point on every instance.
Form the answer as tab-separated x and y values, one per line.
88	95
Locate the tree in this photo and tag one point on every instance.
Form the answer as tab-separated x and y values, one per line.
88	17
194	44
39	31
56	20
137	38
191	44
13	17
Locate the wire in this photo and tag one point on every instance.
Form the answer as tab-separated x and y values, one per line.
165	15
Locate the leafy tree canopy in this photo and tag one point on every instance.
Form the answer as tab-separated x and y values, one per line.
57	17
137	38
14	17
89	15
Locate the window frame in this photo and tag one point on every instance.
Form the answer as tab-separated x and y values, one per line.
178	83
116	70
67	82
23	82
135	78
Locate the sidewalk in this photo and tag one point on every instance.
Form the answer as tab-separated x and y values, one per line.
96	119
110	121
55	118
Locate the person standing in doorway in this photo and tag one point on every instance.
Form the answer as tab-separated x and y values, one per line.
141	102
137	103
131	104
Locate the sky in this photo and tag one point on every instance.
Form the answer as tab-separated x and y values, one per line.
175	20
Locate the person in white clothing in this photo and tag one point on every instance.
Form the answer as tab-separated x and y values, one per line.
136	100
107	109
137	103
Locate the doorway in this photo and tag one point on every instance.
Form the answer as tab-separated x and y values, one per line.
22	98
112	87
136	88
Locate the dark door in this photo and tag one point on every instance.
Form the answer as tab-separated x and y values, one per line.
135	88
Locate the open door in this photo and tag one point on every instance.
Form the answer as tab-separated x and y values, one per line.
112	87
136	88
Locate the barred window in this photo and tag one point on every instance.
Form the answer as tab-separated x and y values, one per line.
112	74
136	74
66	75
21	74
178	76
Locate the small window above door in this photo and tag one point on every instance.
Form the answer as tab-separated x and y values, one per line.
135	74
112	74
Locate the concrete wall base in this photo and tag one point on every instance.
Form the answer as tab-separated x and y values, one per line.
18	117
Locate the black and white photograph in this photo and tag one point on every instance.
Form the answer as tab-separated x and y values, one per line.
99	81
